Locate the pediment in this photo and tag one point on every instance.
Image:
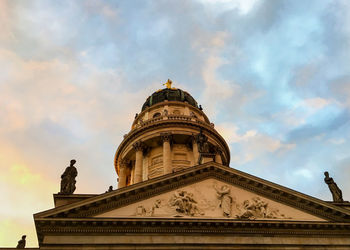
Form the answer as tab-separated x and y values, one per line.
210	198
209	190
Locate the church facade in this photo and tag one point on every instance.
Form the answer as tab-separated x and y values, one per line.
176	190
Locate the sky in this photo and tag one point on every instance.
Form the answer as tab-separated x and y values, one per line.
272	75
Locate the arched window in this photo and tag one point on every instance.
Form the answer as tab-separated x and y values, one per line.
156	115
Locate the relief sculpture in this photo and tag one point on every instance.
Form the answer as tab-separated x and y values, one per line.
142	211
256	208
223	195
185	204
211	198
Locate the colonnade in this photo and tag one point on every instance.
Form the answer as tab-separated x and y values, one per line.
139	147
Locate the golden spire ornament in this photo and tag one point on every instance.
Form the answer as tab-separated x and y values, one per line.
168	84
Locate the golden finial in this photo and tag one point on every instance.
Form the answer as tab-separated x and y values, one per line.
168	84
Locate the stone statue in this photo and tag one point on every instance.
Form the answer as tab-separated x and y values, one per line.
68	179
223	194
22	242
165	112
110	189
200	107
335	190
202	141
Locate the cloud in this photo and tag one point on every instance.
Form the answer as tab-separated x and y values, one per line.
316	103
243	6
251	144
272	75
24	192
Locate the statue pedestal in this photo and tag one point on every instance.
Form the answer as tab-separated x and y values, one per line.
64	199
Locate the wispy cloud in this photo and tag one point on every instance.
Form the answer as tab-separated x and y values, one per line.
272	75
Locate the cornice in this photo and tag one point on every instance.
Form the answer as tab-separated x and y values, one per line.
116	226
166	183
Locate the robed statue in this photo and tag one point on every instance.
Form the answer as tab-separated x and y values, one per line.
202	142
68	179
22	242
223	195
333	187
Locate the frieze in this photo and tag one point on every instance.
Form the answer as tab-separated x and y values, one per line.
142	225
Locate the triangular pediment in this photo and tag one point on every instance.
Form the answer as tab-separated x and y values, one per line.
210	198
206	191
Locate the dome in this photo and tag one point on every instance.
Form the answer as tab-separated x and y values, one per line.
170	94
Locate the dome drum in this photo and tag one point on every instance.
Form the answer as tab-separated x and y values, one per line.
170	134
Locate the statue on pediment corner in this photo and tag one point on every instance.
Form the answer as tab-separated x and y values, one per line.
22	242
68	179
333	187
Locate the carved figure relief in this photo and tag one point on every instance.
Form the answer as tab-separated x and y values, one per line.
256	208
184	203
223	195
211	199
142	211
156	204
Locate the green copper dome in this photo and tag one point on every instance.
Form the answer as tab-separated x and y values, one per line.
170	95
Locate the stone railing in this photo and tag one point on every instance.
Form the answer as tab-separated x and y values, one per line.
173	118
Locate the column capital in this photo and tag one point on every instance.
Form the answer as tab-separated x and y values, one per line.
138	146
166	137
124	163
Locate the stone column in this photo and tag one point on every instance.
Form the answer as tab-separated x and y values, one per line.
218	155
122	174
138	147
195	151
167	164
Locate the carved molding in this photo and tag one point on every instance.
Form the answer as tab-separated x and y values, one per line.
138	146
185	226
166	137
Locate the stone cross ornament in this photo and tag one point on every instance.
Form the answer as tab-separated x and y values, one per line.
333	187
68	179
